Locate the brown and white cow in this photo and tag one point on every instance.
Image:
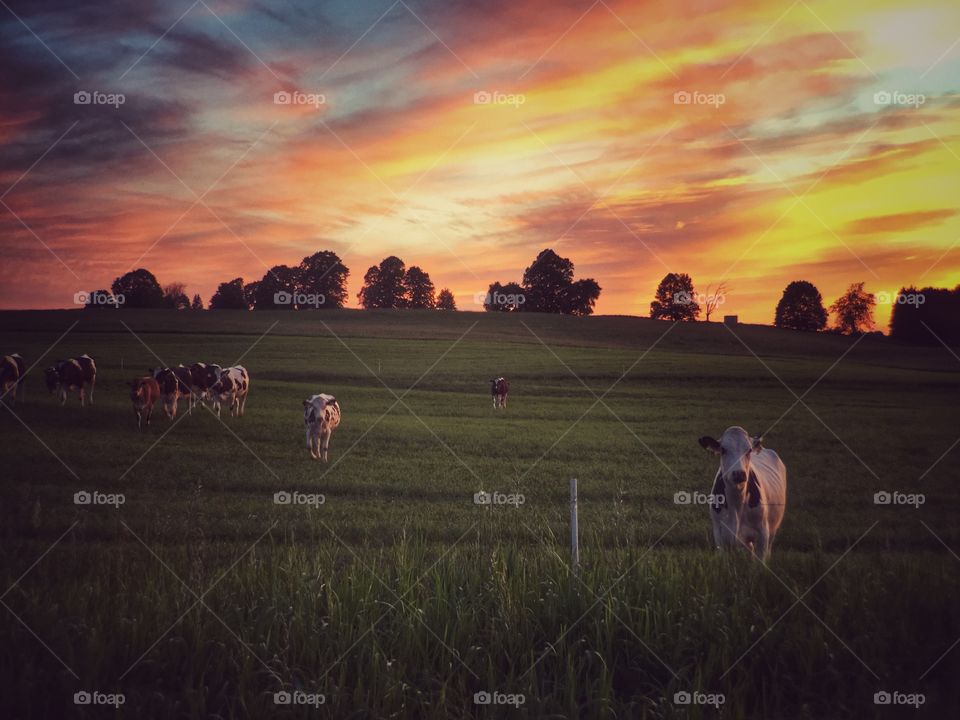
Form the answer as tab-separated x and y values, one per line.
12	372
231	387
749	492
498	390
321	416
144	392
73	374
174	383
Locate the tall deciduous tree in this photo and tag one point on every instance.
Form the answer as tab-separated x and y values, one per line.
445	300
383	285
323	274
419	289
801	308
139	288
229	296
175	297
675	299
546	281
854	310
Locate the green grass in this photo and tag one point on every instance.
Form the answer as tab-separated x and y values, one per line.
462	598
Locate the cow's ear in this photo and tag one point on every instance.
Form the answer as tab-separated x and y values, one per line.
306	403
331	400
757	443
709	444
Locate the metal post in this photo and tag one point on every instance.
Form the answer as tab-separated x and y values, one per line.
574	541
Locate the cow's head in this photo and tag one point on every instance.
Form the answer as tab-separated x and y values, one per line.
212	375
735	448
52	377
313	409
138	390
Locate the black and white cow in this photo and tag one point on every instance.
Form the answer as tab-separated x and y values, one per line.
73	374
231	387
321	416
750	492
12	372
499	388
202	378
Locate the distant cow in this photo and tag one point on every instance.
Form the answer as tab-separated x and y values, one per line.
750	492
231	388
498	390
72	374
12	372
174	383
321	416
144	392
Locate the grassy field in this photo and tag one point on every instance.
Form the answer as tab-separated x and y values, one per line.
399	597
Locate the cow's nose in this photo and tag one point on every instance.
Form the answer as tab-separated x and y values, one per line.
738	476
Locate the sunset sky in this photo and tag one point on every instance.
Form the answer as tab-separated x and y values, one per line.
785	165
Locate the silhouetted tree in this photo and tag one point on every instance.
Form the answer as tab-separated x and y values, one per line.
854	310
445	300
229	296
197	303
383	285
545	282
419	289
675	299
275	290
505	298
174	296
801	308
580	297
139	288
927	316
714	299
323	274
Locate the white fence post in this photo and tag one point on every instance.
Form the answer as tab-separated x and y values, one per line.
574	541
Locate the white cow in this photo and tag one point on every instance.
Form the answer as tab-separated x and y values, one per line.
231	387
750	492
321	416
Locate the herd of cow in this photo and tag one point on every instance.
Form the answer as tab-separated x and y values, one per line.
747	501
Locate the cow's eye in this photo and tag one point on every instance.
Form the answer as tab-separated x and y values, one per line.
723	451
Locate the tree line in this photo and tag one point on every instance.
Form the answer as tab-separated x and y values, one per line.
319	281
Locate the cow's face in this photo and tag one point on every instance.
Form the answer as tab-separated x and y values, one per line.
212	374
313	410
734	448
52	378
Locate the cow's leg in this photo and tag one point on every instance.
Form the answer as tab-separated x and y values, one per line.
243	404
93	384
325	439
